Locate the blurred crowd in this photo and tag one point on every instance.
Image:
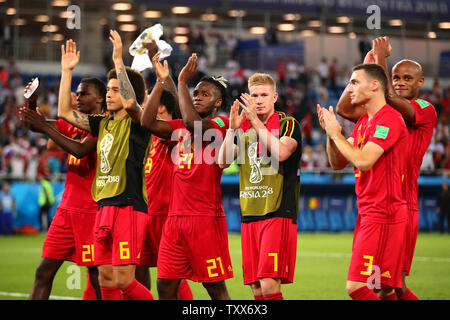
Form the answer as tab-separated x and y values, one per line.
23	153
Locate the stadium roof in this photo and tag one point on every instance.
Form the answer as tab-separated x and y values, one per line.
410	18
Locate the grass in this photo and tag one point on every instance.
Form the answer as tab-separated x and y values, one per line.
321	269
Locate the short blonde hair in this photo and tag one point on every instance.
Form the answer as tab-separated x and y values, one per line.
259	79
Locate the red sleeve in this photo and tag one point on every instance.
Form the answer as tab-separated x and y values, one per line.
62	126
389	129
178	130
176	124
425	114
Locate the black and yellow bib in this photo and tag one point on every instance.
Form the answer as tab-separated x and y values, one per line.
264	184
112	152
122	149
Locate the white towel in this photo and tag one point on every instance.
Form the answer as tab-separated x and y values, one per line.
141	60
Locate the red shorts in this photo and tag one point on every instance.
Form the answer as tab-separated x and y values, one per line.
269	250
70	237
149	253
119	235
195	248
412	231
380	245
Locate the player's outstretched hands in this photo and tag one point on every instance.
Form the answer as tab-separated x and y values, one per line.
189	70
69	55
116	41
249	106
33	117
381	47
369	58
161	70
235	117
320	115
331	125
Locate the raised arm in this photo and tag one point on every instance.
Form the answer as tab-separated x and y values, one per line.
149	119
168	83
344	107
189	114
127	94
69	59
382	50
38	123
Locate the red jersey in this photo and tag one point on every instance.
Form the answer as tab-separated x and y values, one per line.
158	177
379	190
420	134
80	174
196	176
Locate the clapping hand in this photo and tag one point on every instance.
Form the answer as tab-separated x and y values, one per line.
161	70
189	70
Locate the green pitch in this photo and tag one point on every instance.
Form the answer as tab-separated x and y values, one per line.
321	269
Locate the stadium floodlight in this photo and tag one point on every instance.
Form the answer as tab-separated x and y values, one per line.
181	10
181	39
60	3
314	23
121	6
444	25
125	18
41	18
128	27
152	14
50	28
343	19
395	22
66	14
336	29
19	22
181	30
208	17
57	37
292	17
237	13
307	33
286	27
258	30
